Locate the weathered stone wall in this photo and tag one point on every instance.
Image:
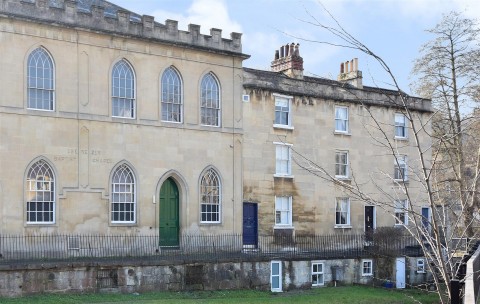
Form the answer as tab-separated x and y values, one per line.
315	142
73	278
17	280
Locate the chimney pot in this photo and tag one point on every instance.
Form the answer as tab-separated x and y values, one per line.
350	74
288	61
297	50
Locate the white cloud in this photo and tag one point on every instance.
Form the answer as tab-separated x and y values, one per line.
423	12
262	46
207	13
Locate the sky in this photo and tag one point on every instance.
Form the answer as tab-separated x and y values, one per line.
393	29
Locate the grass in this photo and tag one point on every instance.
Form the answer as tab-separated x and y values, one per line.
340	295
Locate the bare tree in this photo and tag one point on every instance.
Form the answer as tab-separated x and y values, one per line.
448	71
451	89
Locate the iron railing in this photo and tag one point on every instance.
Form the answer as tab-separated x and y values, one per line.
198	248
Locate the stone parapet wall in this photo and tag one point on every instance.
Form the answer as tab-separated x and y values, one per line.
311	90
114	20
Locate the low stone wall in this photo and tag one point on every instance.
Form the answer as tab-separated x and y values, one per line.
18	280
472	279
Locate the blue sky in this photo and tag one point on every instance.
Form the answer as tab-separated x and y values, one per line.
393	29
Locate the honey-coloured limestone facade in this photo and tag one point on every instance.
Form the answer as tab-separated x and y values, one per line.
112	123
306	136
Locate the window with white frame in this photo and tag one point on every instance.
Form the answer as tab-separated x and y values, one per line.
123	90
400	168
210	193
341	164
123	200
40	81
367	268
401	212
341	119
40	194
210	101
317	274
283	159
421	265
276	276
172	98
400	125
283	211
283	116
342	211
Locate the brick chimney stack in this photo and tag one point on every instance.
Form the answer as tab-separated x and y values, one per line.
288	61
350	74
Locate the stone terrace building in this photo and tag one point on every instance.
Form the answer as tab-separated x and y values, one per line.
293	121
112	123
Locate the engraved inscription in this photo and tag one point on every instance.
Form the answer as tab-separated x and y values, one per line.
95	155
64	158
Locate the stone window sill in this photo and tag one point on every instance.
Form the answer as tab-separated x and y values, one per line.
284	127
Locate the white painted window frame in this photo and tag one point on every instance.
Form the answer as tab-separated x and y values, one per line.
402	126
318	273
279	275
218	107
288	174
337	201
288	210
288	125
114	96
207	199
403	210
346	165
347	122
46	53
132	191
166	86
39	168
400	163
370	268
421	265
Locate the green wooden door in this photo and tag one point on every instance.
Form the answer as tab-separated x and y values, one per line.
169	221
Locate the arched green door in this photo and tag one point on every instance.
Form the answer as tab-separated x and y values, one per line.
169	216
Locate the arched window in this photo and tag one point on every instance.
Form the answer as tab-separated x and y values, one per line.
40	82
210	101
210	197
123	90
123	205
40	189
171	96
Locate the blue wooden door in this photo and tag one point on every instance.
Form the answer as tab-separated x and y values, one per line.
426	218
250	224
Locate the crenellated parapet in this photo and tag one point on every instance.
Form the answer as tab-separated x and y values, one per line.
99	15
